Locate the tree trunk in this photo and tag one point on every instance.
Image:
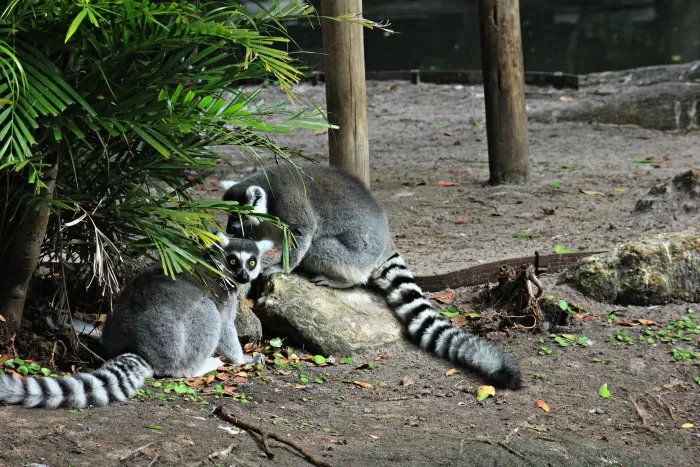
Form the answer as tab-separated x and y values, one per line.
344	66
504	89
22	254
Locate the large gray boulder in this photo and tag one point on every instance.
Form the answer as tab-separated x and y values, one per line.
327	321
656	270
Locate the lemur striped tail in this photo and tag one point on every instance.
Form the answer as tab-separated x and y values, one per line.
437	335
116	380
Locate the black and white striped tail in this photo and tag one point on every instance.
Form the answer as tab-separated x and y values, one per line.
116	380
437	335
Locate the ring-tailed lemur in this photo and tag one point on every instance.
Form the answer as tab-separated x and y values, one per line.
342	239
159	327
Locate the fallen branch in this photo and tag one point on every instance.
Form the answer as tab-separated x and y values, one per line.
501	444
264	435
135	452
640	411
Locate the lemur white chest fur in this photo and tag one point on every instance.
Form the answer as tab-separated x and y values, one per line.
159	327
342	240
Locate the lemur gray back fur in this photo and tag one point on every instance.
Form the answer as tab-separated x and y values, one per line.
342	240
159	327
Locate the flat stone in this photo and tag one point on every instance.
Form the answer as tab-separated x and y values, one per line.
327	321
656	270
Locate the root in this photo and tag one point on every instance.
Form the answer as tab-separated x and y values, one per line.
264	435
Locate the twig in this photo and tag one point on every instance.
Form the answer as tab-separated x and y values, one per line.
641	412
220	454
501	444
264	435
135	452
154	460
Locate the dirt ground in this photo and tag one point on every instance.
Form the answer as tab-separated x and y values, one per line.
420	135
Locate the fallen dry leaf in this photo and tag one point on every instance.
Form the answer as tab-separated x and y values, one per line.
384	356
408	380
372	436
452	371
2	318
222	376
461	221
444	183
362	384
299	386
627	324
342	442
484	392
446	132
540	404
645	322
445	298
391	87
620	190
687	426
196	382
566	99
239	379
320	132
230	389
590	193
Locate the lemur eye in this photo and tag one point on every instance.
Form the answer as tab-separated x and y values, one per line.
232	261
251	263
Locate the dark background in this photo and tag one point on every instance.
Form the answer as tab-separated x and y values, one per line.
574	36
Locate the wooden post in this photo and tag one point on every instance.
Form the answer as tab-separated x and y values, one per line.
344	66
504	89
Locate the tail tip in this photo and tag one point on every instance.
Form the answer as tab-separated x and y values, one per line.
508	377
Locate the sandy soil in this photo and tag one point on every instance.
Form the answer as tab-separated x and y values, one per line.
420	135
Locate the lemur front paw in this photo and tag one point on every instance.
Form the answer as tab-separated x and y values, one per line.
258	359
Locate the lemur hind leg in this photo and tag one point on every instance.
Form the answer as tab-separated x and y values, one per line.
333	263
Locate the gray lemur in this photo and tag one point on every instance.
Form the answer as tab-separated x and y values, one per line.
158	327
342	239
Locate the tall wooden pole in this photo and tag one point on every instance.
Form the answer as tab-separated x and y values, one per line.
344	66
504	89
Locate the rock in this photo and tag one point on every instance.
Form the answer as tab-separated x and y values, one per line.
247	324
324	320
679	197
662	106
655	270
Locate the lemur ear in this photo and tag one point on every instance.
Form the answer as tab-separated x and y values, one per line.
223	239
265	245
226	184
256	197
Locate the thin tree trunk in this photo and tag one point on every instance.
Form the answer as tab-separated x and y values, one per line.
22	254
344	64
504	89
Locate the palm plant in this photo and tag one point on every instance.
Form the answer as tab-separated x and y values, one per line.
104	104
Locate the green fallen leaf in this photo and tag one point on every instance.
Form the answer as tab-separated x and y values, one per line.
451	313
560	250
319	359
154	427
556	185
563	304
346	361
276	342
604	392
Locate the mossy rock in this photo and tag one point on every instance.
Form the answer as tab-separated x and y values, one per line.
656	270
